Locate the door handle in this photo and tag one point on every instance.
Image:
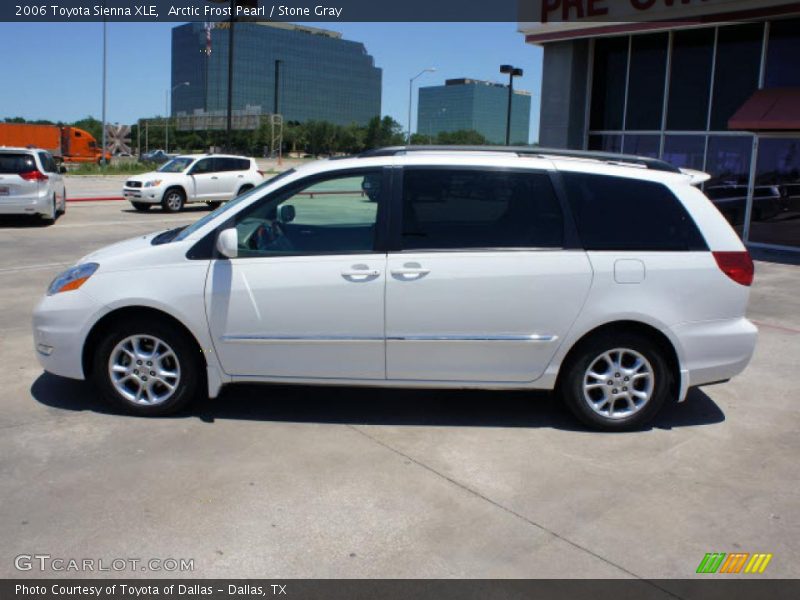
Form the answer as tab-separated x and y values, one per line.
410	272
214	177
360	273
240	176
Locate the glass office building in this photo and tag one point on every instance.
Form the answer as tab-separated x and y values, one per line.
482	106
722	98
321	77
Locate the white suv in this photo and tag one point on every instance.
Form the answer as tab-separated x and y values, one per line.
208	178
612	280
31	183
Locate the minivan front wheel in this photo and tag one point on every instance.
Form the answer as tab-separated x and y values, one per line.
616	382
147	368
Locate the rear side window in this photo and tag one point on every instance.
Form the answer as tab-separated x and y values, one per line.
460	208
616	213
16	163
232	164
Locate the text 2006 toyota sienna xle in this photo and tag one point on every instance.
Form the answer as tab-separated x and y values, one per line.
612	280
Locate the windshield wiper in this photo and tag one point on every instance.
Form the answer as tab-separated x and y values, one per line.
167	236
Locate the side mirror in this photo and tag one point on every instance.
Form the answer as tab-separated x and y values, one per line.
62	169
228	243
286	213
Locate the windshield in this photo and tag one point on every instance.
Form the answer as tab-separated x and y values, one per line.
176	165
228	206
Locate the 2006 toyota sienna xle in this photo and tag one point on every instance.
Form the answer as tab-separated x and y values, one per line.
610	279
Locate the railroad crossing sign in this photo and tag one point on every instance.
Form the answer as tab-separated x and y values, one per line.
118	138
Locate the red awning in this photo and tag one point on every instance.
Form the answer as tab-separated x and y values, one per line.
776	109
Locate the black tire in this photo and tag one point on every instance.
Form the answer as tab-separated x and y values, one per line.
51	218
245	188
141	206
188	387
214	205
571	383
63	209
173	200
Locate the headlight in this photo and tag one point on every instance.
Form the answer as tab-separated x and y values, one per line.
153	183
72	278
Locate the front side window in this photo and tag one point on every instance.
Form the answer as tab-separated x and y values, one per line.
616	213
330	216
176	165
459	209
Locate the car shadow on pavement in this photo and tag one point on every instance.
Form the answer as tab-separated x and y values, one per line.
21	222
376	406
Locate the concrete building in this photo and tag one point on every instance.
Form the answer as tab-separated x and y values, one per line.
713	86
464	104
320	76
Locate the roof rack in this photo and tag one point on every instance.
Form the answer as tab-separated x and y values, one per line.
654	164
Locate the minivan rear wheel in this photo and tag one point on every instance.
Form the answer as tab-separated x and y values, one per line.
147	368
616	381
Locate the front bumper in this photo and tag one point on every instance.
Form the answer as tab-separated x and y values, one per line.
715	351
151	195
61	324
25	205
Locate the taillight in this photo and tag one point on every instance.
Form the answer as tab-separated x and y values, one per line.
736	265
34	175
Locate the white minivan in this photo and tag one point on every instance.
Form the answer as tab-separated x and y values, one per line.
31	183
610	279
209	178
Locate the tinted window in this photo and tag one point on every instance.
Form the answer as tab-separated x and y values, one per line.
479	209
685	150
736	74
16	163
231	164
205	165
608	83
615	213
647	78
641	145
48	164
333	216
784	48
690	83
606	143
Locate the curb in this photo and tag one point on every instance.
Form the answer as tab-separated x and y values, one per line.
95	199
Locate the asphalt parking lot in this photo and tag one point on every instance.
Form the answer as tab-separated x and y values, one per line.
317	482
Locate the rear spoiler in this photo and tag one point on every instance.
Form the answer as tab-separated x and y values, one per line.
696	177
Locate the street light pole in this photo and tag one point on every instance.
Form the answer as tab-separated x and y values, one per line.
512	72
410	95
105	73
167	113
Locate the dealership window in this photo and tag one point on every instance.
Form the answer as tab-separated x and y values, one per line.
606	143
608	87
737	70
685	150
642	145
783	68
728	162
646	81
775	214
690	79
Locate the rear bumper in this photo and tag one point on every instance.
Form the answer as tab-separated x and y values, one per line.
714	351
25	205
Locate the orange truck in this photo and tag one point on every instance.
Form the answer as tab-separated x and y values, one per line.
68	144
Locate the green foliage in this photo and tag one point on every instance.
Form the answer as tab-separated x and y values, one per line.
92	125
465	137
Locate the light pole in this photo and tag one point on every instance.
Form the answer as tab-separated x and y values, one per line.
105	72
410	87
512	72
167	114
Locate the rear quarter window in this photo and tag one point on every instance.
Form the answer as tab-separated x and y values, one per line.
617	213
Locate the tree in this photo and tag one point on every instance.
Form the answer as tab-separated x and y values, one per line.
383	132
92	125
463	137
